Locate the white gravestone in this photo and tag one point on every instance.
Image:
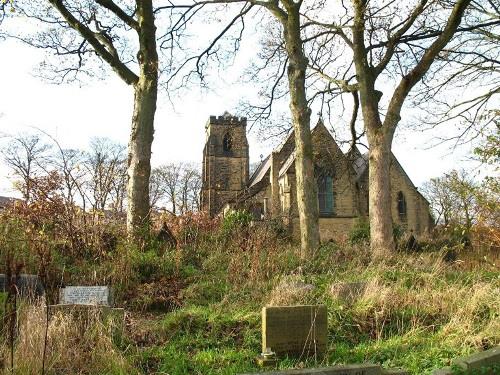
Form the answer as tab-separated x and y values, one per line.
85	295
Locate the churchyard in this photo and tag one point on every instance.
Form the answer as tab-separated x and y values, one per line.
236	187
236	298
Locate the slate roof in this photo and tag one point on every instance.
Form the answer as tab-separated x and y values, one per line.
287	164
261	171
360	163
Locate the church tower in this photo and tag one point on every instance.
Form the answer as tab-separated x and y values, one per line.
225	161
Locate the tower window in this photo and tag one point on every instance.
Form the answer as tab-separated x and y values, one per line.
325	196
402	206
227	142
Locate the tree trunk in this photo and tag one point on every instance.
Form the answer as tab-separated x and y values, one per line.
381	231
141	137
139	158
307	201
379	142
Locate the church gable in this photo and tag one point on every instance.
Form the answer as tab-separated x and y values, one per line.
327	154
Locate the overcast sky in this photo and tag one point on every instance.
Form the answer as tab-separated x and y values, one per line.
74	114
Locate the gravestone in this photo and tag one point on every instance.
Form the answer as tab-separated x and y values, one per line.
361	369
294	330
475	361
348	292
85	295
28	286
356	369
88	303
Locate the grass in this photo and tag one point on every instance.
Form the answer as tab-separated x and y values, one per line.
196	309
416	312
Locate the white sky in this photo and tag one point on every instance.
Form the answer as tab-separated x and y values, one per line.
74	114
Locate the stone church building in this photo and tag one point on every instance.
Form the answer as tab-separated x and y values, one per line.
270	190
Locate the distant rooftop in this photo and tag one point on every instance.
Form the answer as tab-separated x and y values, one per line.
6	201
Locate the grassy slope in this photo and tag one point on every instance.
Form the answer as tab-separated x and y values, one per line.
196	310
416	311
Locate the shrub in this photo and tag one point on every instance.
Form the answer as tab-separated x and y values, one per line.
235	220
149	266
360	233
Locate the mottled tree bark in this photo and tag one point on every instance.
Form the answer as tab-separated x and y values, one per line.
139	155
380	133
381	230
145	85
307	201
141	137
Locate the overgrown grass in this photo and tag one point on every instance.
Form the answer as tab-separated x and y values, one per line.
76	344
196	309
416	311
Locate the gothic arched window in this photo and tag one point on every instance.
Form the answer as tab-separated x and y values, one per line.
402	206
325	196
227	142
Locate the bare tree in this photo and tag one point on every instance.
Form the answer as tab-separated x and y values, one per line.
103	31
472	62
189	188
103	163
378	52
166	185
441	202
464	202
118	191
26	155
177	186
288	15
353	48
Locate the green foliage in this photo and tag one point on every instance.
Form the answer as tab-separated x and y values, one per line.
204	341
489	151
235	220
15	245
278	228
204	292
149	265
398	232
360	233
196	309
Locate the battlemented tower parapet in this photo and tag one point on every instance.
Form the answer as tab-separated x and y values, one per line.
225	161
227	119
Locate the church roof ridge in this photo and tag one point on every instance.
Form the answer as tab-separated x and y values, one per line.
260	171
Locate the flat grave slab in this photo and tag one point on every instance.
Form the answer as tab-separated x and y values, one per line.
294	330
85	295
361	369
482	359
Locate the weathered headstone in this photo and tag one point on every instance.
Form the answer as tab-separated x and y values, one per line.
362	369
294	330
28	286
486	359
475	361
85	295
348	292
443	371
